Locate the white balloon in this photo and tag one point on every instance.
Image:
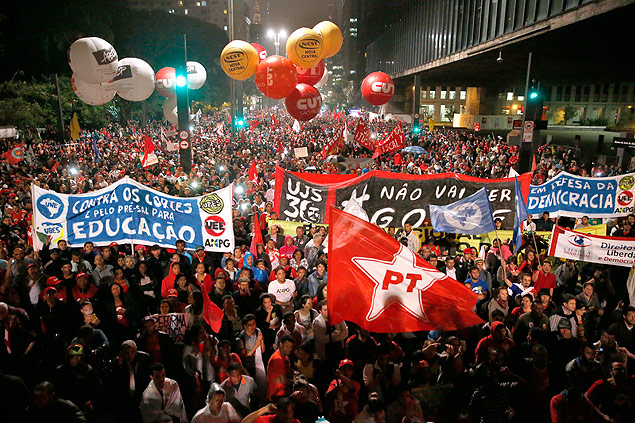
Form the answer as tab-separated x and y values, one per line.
94	60
170	111
93	94
196	75
324	79
134	80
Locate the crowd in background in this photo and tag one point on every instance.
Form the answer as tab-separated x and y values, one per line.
81	341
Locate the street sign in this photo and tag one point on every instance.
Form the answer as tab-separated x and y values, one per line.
529	125
528	131
477	126
184	144
517	124
184	135
624	142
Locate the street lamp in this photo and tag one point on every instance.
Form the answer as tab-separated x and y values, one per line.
276	38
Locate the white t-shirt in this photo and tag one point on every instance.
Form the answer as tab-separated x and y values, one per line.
282	291
227	415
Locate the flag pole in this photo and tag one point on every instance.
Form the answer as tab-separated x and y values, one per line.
533	235
500	250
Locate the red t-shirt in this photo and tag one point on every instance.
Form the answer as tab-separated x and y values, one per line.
343	407
278	366
545	281
271	418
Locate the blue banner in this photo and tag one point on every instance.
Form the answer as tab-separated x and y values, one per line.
471	215
576	196
128	212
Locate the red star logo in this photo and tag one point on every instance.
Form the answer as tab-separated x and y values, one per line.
399	281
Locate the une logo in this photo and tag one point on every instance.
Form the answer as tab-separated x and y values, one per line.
309	103
382	88
50	206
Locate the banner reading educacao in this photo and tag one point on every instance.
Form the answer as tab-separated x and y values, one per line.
128	212
571	195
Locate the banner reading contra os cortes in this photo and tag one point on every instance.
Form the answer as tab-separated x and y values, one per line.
128	212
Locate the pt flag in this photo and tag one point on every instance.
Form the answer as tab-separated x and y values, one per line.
149	157
253	173
335	144
384	287
393	142
15	155
471	215
575	245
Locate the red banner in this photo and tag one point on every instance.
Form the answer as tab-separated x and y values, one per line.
362	136
384	287
335	144
393	142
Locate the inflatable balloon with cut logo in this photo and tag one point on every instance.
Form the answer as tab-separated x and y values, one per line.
170	111
332	37
276	77
134	80
165	82
196	75
239	60
378	88
324	79
304	102
305	47
93	94
262	53
92	59
311	75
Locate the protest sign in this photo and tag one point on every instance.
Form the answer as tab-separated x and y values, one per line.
576	245
128	212
572	195
387	198
174	324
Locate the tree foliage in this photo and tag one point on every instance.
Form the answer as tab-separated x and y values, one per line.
35	36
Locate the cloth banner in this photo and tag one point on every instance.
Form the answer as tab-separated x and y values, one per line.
362	136
576	245
388	198
128	212
174	324
393	142
575	196
300	152
471	215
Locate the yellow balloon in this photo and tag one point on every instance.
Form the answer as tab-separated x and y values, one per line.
305	47
239	60
332	37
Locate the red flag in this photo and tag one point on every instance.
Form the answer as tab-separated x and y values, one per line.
253	173
274	121
362	136
334	145
212	314
280	148
253	124
393	142
148	148
242	137
55	166
384	287
15	155
533	163
257	238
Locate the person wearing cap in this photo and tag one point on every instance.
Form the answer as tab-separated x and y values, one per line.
217	409
483	273
201	257
342	395
84	289
78	382
497	339
563	346
162	401
59	319
545	298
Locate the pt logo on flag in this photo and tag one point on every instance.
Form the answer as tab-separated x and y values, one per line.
397	281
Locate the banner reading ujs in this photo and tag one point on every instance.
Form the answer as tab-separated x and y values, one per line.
128	212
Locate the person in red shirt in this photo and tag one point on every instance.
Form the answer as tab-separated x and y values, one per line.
284	413
279	374
343	394
498	339
570	406
543	278
612	398
83	290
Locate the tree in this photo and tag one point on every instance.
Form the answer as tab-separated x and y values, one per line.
449	113
569	113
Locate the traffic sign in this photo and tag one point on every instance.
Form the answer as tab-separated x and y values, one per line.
529	125
528	133
184	134
184	144
477	126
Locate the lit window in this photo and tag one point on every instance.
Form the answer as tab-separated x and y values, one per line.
225	11
186	11
352	72
180	3
432	94
443	94
353	34
352	20
510	96
225	28
463	95
521	98
203	3
452	95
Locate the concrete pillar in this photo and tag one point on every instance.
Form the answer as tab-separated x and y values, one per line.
473	101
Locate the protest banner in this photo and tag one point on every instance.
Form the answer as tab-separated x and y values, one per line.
387	198
174	324
576	245
128	212
301	152
575	196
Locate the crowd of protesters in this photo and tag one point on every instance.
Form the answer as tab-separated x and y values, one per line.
79	327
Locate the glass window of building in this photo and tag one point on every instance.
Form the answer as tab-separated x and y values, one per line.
443	93
510	96
452	95
463	95
432	94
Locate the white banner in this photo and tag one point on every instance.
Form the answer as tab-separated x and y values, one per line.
574	245
128	212
301	152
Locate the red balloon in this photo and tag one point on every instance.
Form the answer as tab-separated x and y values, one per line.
262	53
378	88
276	77
311	75
165	82
304	102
